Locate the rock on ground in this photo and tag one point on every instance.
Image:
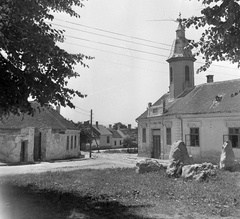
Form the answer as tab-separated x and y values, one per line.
179	153
174	169
148	165
199	172
227	158
178	157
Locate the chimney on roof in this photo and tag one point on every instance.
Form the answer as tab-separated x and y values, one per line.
58	108
110	126
129	126
118	126
149	104
97	125
209	78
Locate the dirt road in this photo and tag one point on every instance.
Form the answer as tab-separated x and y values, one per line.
98	161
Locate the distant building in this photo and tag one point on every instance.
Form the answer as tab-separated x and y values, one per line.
202	116
102	137
117	139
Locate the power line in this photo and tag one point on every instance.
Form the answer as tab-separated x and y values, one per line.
134	49
139	58
120	34
81	113
106	44
82	109
155	47
126	65
115	53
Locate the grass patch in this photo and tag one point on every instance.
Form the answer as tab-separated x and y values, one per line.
122	193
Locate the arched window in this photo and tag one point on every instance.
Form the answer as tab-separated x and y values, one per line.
171	75
187	76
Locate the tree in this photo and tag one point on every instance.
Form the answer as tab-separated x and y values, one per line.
220	40
129	143
120	125
31	62
85	133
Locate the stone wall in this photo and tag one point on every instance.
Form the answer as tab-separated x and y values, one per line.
55	144
11	141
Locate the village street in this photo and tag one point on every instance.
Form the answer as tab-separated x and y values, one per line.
98	161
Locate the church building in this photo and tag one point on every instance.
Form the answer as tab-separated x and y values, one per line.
203	116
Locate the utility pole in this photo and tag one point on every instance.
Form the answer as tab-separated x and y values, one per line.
90	151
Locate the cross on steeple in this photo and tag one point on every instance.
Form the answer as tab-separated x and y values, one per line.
180	18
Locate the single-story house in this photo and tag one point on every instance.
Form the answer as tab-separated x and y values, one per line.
117	139
46	135
102	137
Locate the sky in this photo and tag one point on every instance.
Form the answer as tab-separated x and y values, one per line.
130	41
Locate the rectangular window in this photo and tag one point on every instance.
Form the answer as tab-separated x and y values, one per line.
144	137
194	137
108	139
115	143
67	142
75	142
169	136
120	142
234	136
71	142
171	75
155	110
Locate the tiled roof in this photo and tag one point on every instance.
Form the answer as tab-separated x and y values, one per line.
115	134
217	97
46	117
102	130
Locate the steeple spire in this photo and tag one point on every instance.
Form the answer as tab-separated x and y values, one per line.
179	48
181	63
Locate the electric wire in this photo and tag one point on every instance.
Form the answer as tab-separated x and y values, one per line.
120	34
107	44
135	49
155	47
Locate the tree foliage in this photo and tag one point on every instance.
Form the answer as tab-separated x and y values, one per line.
129	143
220	40
31	62
85	132
120	125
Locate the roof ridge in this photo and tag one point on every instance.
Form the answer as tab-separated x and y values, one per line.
218	82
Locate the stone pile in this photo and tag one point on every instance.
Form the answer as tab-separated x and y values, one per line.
199	172
181	164
148	165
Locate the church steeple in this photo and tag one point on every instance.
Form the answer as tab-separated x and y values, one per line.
181	63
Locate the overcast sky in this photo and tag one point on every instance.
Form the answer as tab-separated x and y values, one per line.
130	40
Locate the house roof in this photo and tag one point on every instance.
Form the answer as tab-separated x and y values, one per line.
46	117
157	103
115	134
129	132
102	130
217	97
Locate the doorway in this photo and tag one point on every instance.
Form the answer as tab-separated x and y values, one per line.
24	151
156	144
37	146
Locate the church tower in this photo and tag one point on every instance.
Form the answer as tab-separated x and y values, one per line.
181	64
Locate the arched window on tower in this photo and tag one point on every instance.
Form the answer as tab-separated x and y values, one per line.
171	75
187	76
